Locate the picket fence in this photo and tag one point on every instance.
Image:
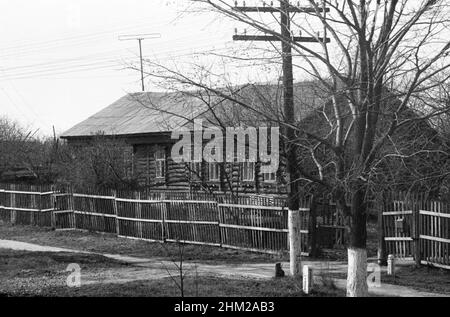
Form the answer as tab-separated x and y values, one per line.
246	222
418	228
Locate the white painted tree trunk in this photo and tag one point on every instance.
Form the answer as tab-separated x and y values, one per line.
295	248
357	273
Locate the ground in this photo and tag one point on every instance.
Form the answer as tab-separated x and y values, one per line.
109	243
238	273
44	274
424	278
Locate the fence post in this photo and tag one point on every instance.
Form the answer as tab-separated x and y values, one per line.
164	208
116	212
2	200
71	206
33	205
391	265
13	205
219	220
137	196
416	228
381	251
295	249
53	204
308	279
312	228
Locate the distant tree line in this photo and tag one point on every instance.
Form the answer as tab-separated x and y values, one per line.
25	157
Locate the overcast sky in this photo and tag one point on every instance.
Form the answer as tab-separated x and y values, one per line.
61	60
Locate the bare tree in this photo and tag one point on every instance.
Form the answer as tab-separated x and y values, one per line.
105	162
385	73
22	150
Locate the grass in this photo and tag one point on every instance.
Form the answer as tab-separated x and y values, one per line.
424	278
30	273
109	243
50	268
207	287
44	274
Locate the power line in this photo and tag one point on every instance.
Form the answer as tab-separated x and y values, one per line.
91	57
56	71
91	36
15	105
140	38
286	38
79	64
52	44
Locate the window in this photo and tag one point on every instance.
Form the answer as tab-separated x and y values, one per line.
195	170
269	177
213	169
148	164
248	171
160	163
128	162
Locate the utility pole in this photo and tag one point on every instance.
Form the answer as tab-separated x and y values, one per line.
140	38
285	9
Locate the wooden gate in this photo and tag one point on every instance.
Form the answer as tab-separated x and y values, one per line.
398	226
414	227
434	230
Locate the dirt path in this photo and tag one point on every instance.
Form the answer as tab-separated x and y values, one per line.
155	268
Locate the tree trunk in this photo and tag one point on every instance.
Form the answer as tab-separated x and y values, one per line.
357	253
357	273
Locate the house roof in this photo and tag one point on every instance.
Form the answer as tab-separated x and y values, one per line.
139	113
155	112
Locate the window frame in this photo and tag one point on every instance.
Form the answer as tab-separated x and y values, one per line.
196	171
248	168
160	164
216	167
269	180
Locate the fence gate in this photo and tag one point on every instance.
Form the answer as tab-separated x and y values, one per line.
398	227
434	230
414	227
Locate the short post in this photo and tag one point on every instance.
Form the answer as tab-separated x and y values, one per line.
391	265
279	271
308	282
295	250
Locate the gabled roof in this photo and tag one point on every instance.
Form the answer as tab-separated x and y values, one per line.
139	113
155	112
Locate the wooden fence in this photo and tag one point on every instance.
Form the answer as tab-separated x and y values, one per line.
28	205
247	222
417	228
